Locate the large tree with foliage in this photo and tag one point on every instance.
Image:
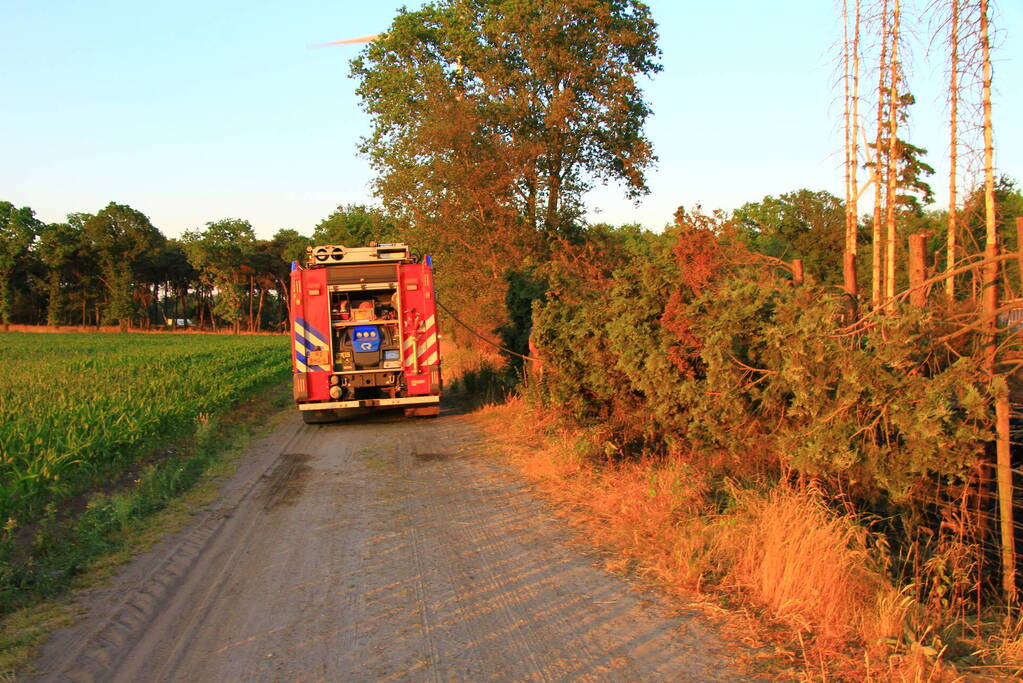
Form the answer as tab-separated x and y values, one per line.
18	228
62	247
355	225
803	224
121	237
491	118
218	253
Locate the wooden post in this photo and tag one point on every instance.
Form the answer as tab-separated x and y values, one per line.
1005	489
851	287
797	271
1003	466
1019	247
917	269
849	273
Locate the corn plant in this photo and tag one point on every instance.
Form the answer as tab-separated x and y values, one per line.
78	408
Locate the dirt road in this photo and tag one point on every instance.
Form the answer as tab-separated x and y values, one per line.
386	549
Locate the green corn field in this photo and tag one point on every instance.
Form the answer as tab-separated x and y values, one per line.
78	408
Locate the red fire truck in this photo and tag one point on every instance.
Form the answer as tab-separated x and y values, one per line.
364	332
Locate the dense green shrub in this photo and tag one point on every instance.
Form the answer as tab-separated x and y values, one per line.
689	338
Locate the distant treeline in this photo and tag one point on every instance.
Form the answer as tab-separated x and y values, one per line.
116	267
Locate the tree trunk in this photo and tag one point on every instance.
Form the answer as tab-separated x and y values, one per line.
877	239
251	286
891	199
850	58
1019	248
847	119
553	197
953	156
54	304
917	269
259	309
1002	456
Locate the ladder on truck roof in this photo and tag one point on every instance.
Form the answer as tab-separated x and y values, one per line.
334	254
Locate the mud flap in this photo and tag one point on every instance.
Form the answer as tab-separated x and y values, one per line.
300	387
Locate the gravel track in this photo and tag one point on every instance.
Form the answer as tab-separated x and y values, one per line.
375	550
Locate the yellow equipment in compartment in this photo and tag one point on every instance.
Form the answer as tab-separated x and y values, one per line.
345	360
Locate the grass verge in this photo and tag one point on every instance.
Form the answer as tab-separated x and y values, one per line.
807	585
80	551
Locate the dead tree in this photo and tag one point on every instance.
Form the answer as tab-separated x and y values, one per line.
1003	463
851	77
953	155
892	172
877	246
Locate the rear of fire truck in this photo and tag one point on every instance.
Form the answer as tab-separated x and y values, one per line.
364	332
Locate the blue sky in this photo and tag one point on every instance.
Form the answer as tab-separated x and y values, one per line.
195	111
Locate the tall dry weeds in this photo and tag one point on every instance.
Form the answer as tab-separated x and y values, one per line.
810	566
665	519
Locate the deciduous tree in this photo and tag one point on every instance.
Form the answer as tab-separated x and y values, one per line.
218	253
18	229
60	247
491	118
802	224
120	237
355	225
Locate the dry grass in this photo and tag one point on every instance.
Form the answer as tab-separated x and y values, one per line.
460	360
806	564
783	553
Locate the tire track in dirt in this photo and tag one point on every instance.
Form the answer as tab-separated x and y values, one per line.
91	656
376	550
470	533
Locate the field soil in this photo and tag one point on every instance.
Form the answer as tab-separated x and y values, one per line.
384	548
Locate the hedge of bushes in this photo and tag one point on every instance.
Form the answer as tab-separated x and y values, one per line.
688	340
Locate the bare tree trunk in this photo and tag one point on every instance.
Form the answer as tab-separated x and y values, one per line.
850	63
855	135
891	199
953	156
850	189
251	286
1002	458
877	237
917	269
259	309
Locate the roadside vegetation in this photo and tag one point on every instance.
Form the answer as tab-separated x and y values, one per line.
83	415
801	404
836	475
